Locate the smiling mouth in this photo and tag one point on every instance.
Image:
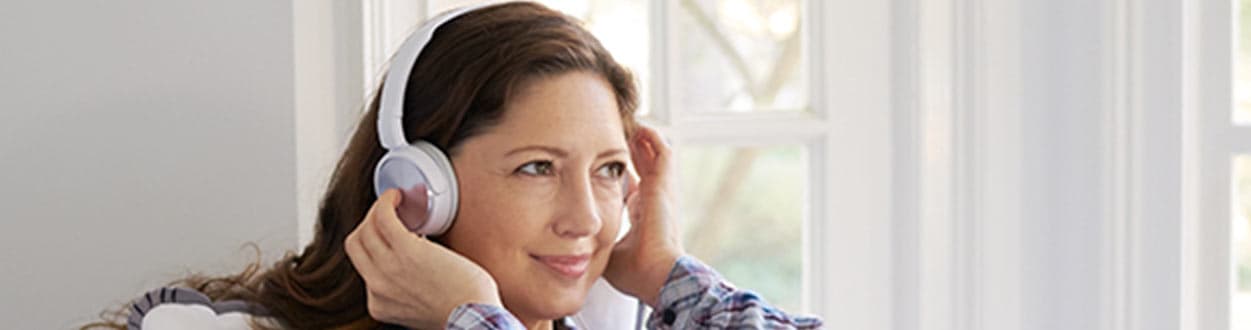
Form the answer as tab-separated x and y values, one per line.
568	266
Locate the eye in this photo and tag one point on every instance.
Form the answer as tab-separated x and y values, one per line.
536	168
612	170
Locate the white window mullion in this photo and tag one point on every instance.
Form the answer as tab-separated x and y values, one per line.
970	178
661	56
374	53
997	77
854	228
1207	69
329	92
816	217
1122	118
936	307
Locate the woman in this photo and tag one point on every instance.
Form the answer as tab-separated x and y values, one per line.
537	120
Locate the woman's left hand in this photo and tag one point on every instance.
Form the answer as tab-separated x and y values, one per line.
409	280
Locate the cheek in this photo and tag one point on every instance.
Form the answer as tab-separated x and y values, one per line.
488	210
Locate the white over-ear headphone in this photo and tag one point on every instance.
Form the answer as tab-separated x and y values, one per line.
406	166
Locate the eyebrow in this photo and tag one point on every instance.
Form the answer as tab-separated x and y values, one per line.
561	153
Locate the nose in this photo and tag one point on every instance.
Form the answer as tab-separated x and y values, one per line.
579	215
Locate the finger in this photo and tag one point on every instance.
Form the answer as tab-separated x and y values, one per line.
653	151
386	222
659	146
641	155
413	207
378	265
360	258
638	150
354	238
370	240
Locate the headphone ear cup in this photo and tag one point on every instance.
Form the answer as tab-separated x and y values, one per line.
415	170
397	170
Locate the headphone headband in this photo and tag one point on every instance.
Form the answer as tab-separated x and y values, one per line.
391	107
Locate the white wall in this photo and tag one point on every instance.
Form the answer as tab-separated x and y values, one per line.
1102	154
139	140
1063	151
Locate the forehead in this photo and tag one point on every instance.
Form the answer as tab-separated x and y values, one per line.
571	109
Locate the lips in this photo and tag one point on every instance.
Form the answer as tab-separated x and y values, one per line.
569	266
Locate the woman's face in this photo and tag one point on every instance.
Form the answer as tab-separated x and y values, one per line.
541	194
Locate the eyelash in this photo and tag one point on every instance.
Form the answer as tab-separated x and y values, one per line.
547	164
617	168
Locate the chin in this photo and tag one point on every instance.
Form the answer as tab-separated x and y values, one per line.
554	304
548	297
564	304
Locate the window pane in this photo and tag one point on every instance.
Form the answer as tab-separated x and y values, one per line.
617	25
738	56
744	216
1241	231
1242	82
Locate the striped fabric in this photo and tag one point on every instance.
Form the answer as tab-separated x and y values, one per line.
694	297
485	317
186	308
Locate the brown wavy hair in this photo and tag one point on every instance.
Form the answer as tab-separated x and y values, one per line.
457	89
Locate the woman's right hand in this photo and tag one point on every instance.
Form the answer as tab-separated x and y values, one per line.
409	280
641	261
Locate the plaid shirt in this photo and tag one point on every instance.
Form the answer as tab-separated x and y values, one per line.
693	297
478	316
